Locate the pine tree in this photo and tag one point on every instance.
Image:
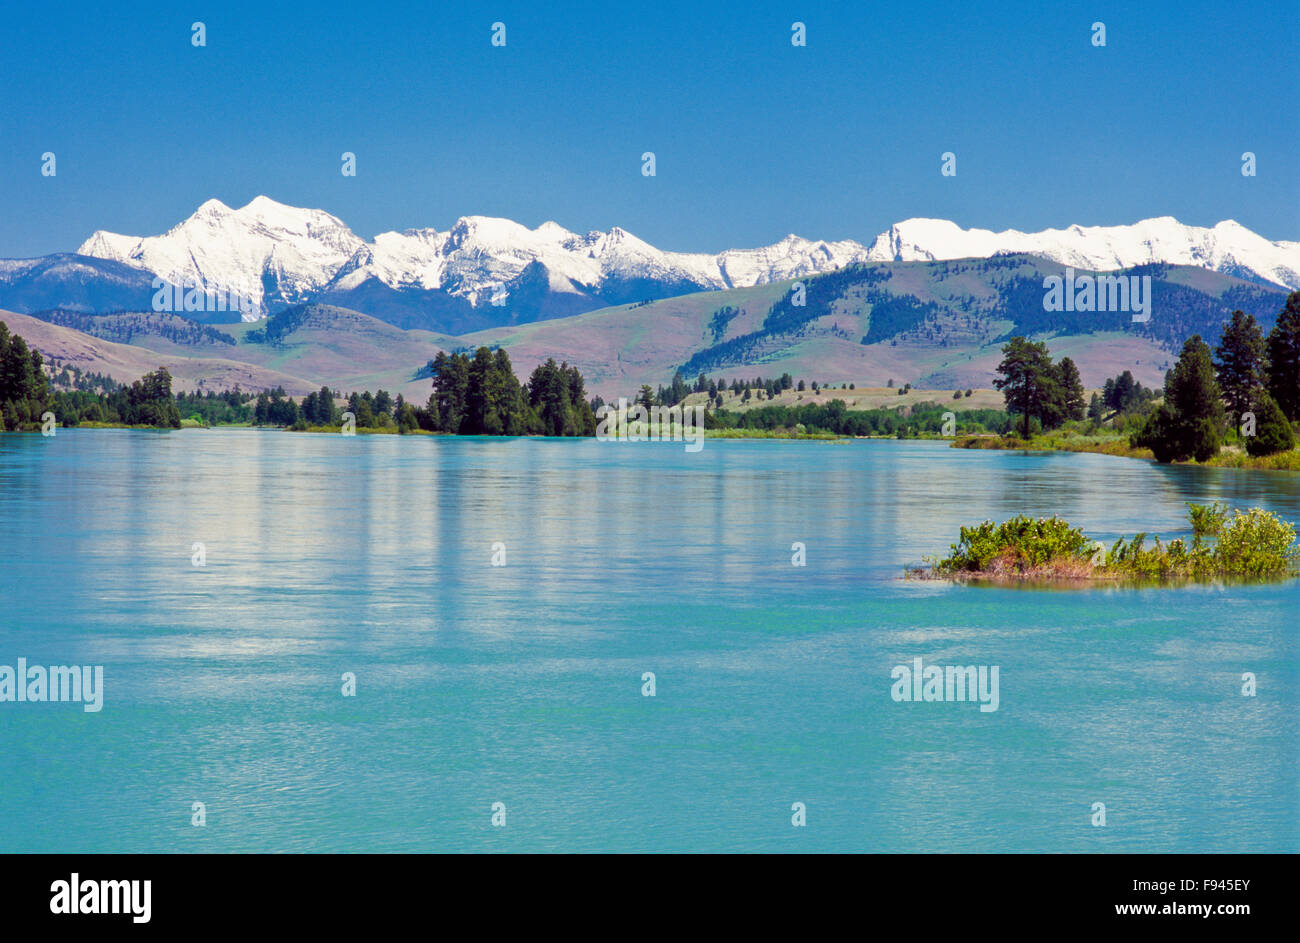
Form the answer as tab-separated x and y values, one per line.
1239	360
1283	351
1027	381
1189	424
1071	389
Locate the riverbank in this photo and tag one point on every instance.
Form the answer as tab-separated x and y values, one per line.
1118	445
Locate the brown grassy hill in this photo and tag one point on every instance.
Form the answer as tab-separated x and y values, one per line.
65	346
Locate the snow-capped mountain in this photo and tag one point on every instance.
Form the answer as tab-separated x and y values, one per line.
280	255
1228	247
263	248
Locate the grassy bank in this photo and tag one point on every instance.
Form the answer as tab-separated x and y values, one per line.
1228	457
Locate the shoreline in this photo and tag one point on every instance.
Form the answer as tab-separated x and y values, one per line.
1118	446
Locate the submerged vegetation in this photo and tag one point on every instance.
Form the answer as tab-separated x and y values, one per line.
1225	544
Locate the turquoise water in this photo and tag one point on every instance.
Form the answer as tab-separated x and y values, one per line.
522	684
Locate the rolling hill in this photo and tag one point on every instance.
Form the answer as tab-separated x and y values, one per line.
934	324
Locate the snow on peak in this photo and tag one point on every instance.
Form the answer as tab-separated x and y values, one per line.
1227	247
298	252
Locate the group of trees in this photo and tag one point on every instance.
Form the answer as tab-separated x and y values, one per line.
146	402
319	409
276	408
717	388
1250	382
24	387
1035	388
1122	394
482	396
835	417
212	408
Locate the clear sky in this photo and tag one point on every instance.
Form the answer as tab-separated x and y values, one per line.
753	137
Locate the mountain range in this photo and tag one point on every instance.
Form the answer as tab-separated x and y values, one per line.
938	325
486	273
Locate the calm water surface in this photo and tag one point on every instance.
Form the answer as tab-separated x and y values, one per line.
522	684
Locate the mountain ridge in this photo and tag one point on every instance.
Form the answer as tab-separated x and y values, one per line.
480	267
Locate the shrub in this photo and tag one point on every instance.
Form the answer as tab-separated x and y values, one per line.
1022	542
1240	544
1273	433
1254	543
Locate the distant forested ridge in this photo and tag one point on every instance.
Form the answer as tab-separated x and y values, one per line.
127	327
965	302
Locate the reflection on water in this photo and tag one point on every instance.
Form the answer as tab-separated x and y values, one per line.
522	683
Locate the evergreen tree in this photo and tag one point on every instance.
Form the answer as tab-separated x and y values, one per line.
1273	431
1071	389
451	387
1189	423
1239	360
24	388
1027	381
1283	352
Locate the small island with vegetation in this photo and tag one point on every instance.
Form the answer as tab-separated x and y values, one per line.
1226	545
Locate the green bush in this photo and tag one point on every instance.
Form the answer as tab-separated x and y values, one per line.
1023	540
1273	433
1237	544
1254	543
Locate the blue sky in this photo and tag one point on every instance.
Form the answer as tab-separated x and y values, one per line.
753	137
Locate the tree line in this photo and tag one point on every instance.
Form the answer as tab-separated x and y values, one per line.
1248	385
146	402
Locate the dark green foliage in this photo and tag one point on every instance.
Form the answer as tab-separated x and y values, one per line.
1283	350
276	408
1070	405
24	388
1273	431
892	315
147	402
279	325
483	396
1189	423
318	408
1183	311
1239	360
721	318
126	327
216	409
1030	383
786	320
1123	394
835	417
